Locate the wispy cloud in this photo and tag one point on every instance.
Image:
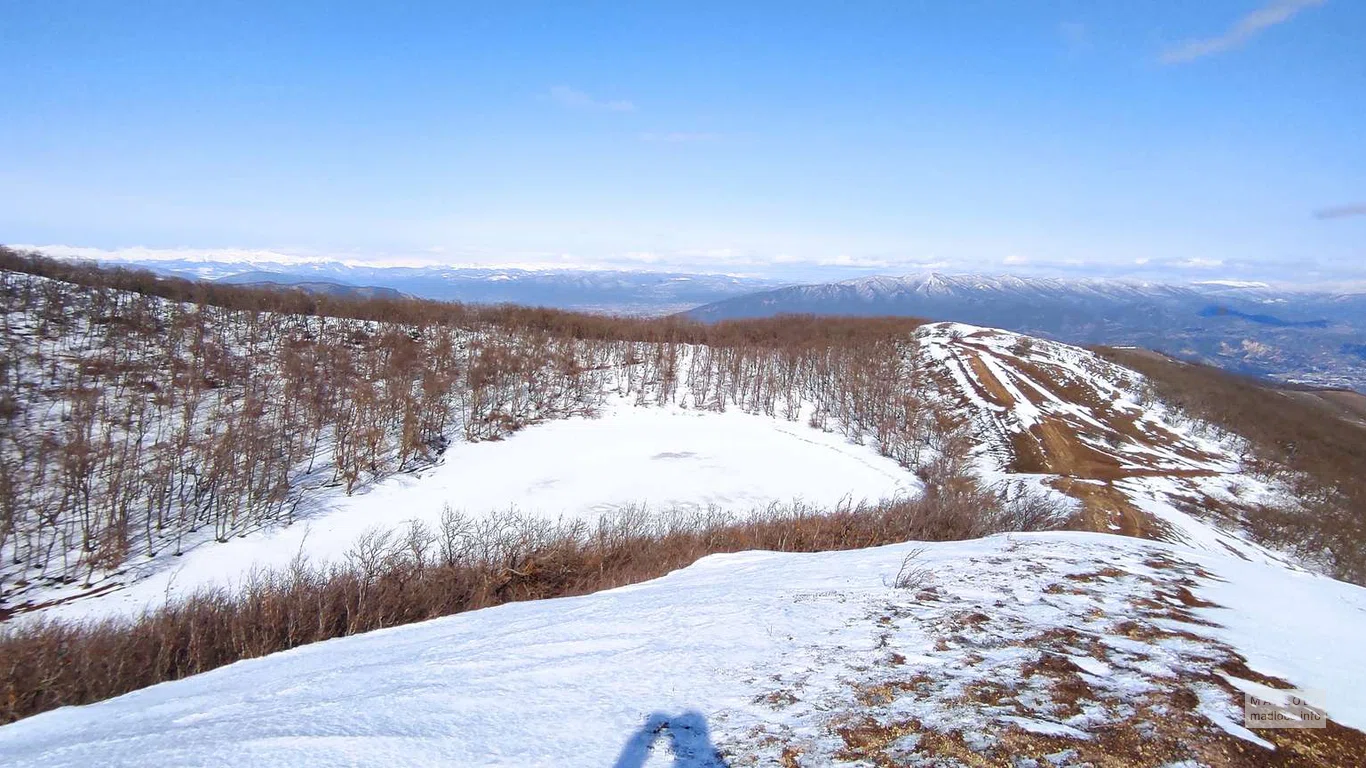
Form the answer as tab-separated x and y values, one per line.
1243	30
573	98
1197	263
1075	36
1341	211
681	137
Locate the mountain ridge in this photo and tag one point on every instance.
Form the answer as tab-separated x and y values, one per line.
1297	336
582	288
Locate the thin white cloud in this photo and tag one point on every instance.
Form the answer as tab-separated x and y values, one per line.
573	98
1341	211
204	255
681	137
1197	263
1234	283
643	257
846	260
1243	30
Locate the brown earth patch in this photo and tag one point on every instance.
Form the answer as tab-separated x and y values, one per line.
1107	510
994	390
1165	727
1108	572
1055	444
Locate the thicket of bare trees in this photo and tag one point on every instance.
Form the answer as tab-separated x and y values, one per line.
143	414
131	422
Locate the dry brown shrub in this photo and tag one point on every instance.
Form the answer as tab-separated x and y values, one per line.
466	564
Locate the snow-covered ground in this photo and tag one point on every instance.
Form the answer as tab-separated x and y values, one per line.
1030	645
661	458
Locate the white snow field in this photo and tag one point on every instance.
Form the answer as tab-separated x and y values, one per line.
663	458
759	656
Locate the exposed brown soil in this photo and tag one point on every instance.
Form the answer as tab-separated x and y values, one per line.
1054	446
1073	450
995	391
1166	725
1163	726
1106	510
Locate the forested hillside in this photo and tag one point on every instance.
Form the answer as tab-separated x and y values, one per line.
137	420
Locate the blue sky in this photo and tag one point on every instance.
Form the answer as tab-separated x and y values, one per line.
1194	140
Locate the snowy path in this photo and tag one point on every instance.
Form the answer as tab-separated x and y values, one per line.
803	653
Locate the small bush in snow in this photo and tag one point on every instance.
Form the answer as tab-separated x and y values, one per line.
912	575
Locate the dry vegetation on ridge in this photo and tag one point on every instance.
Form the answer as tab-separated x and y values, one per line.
464	565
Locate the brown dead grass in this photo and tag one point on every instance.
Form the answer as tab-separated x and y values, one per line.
867	739
1108	572
1172	730
1160	727
993	389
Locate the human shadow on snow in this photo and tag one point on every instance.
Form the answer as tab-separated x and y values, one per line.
688	736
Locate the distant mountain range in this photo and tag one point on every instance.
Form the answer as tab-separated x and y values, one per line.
1303	337
321	287
626	292
1314	338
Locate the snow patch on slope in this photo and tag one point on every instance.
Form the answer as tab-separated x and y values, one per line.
759	652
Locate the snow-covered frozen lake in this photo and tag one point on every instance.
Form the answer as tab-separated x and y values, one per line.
664	458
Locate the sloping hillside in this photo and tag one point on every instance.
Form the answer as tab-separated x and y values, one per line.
148	418
323	287
1314	441
261	420
1093	430
820	426
1044	649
